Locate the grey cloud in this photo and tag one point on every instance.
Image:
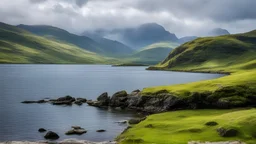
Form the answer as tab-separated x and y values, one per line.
217	10
37	1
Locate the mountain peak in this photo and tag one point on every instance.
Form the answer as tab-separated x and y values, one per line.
218	32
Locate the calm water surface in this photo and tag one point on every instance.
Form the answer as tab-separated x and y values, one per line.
33	82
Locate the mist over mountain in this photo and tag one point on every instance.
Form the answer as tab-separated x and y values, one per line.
218	32
140	36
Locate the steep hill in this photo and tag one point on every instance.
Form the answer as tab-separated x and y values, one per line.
20	46
115	48
101	46
218	53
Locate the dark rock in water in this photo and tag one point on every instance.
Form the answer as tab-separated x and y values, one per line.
227	132
78	131
66	98
78	103
29	102
136	120
51	135
211	123
42	130
76	127
62	103
101	130
83	100
104	99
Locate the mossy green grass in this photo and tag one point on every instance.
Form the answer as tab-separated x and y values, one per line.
180	127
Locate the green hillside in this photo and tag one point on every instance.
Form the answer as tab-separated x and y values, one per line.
20	46
152	54
234	54
97	45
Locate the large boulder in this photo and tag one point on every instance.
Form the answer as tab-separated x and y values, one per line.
119	99
136	120
67	100
104	99
51	135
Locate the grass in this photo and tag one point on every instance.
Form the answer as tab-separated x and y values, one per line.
180	127
19	46
234	54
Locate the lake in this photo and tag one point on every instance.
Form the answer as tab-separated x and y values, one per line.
33	82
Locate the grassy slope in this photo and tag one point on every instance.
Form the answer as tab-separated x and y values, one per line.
189	125
20	46
152	54
99	45
235	54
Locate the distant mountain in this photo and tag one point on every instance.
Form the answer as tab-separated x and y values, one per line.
218	32
152	54
140	36
187	39
20	46
101	46
115	47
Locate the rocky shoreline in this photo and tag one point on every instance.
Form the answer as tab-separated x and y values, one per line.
69	141
162	101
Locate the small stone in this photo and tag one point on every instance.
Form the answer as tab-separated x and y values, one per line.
42	130
101	130
149	126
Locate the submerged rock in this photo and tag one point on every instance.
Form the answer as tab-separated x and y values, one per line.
51	135
101	130
76	130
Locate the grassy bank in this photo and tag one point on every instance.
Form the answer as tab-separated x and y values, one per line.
234	55
180	127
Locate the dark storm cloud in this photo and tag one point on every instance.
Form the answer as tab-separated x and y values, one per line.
217	10
182	17
81	3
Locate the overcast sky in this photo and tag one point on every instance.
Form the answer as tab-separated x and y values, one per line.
182	17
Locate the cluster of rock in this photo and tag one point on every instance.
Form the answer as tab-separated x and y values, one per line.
69	141
163	100
67	100
75	130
